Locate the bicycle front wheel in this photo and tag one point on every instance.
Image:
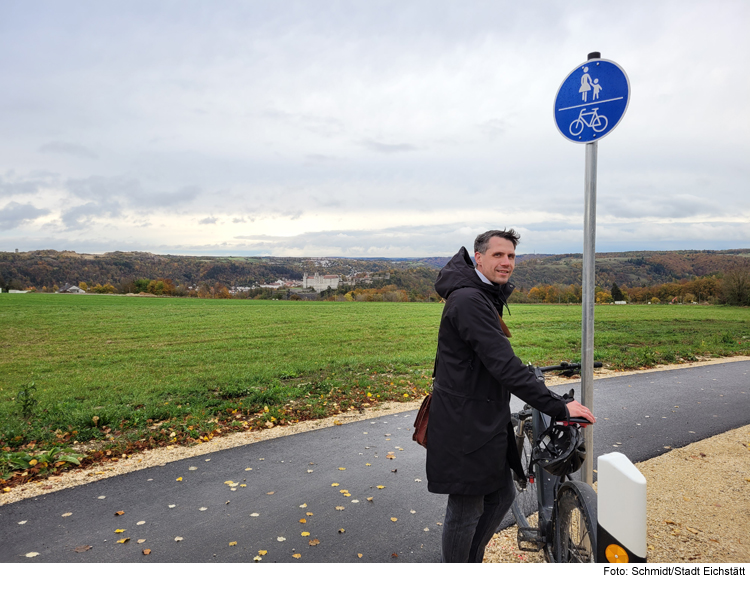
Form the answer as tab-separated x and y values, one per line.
526	496
575	523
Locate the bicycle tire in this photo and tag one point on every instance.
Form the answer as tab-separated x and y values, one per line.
579	127
526	500
575	523
601	124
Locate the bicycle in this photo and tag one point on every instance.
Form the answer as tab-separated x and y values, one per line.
566	508
597	122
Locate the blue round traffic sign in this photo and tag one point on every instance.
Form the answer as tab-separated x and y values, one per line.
591	101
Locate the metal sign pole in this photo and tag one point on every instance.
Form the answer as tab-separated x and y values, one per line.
588	292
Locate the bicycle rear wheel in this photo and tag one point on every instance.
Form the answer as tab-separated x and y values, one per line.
575	523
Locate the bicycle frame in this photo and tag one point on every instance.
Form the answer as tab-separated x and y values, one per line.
548	486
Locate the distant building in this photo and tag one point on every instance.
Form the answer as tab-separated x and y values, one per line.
67	288
320	282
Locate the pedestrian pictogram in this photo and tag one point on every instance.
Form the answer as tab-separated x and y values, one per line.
591	101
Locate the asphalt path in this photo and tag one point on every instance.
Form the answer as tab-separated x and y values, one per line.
360	487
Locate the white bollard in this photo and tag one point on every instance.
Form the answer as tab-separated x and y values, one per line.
621	510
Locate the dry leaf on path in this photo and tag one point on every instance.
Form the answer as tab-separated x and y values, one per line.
232	543
296	555
339	508
303	505
141	523
394	518
147	551
178	539
314	542
66	515
303	520
281	539
309	514
257	558
31	554
123	512
342	530
119	531
342	468
123	541
380	486
179	479
141	540
83	548
305	534
262	552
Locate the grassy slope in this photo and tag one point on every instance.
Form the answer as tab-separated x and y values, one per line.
112	367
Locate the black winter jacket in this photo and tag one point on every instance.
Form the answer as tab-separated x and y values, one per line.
470	437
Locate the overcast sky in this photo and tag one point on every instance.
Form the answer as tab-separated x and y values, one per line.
370	128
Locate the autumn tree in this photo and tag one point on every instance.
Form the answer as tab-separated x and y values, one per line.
736	286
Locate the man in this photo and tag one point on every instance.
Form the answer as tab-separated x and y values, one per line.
470	447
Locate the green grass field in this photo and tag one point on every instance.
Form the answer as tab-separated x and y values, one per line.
136	372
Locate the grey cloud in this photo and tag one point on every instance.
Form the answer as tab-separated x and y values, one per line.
208	220
15	214
10	189
77	218
99	187
69	149
676	206
384	148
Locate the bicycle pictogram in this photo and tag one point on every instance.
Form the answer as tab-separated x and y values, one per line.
597	122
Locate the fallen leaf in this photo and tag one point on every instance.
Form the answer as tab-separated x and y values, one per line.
380	486
394	518
339	508
232	543
178	539
141	540
192	468
426	529
303	505
102	497
412	511
355	501
203	509
309	514
314	542
296	555
342	468
303	520
335	484
170	506
257	558
21	522
417	480
359	555
32	554
368	464
66	514
119	531
305	534
123	541
309	471
394	555
692	530
343	490
254	514
270	493
123	512
179	479
262	552
342	530
140	523
390	456
146	551
248	469
83	548
280	539
370	499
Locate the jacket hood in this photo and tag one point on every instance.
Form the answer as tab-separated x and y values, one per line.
460	273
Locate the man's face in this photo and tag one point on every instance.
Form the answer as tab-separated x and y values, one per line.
498	261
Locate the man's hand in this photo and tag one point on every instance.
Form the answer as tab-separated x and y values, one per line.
576	409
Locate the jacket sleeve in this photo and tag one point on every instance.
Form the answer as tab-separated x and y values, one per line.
477	324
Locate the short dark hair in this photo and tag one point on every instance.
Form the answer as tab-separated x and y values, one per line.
483	240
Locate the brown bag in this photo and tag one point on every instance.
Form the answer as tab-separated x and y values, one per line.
420	423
